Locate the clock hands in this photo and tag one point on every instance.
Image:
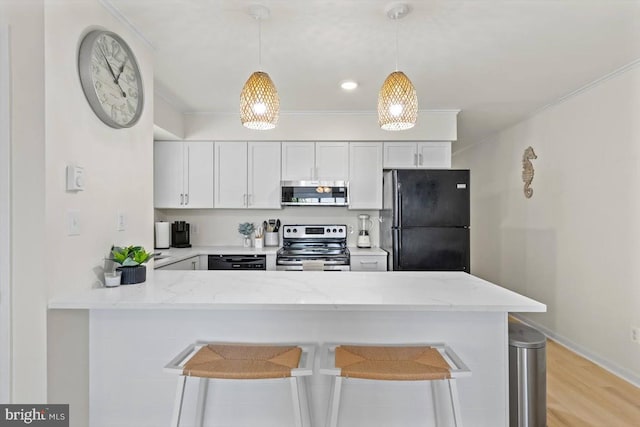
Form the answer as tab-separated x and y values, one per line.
115	79
121	69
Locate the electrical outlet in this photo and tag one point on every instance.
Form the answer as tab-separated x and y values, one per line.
193	228
635	335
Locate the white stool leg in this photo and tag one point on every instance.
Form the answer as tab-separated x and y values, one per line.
202	399
177	408
295	397
437	414
304	401
455	402
334	402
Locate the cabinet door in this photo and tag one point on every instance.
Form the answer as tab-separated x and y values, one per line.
365	175
298	161
263	181
368	263
168	174
433	155
231	175
332	161
192	263
399	155
199	174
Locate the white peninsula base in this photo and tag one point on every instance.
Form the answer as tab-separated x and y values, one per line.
133	333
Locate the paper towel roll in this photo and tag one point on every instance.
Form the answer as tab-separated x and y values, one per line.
163	233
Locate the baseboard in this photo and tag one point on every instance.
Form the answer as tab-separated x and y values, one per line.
616	370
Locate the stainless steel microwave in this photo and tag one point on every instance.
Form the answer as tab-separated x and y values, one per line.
314	193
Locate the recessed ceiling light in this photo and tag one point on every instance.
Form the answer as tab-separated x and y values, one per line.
348	84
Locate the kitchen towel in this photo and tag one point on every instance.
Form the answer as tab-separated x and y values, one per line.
163	233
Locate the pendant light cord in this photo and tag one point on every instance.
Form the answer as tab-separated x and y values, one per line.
259	44
397	48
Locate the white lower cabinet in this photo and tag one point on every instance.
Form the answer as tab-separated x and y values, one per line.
373	262
192	263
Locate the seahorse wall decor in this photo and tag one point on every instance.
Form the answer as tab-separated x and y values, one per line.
527	171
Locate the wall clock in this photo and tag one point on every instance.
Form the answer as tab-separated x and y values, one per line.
110	79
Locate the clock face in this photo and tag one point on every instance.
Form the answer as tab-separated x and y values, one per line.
110	79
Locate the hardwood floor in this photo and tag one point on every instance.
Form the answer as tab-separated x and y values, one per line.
581	394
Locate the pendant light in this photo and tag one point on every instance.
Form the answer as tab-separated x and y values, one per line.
259	101
397	100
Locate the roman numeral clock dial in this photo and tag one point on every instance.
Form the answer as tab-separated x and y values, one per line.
110	79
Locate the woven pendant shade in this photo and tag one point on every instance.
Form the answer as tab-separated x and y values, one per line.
259	102
397	103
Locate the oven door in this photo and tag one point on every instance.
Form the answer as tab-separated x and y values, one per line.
297	264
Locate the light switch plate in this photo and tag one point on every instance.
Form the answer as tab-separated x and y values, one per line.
121	221
73	223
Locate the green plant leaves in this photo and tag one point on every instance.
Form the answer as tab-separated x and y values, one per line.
130	256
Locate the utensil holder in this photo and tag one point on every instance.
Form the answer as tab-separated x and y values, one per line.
272	238
258	242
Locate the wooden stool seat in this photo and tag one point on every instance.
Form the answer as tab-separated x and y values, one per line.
432	362
243	362
391	363
230	361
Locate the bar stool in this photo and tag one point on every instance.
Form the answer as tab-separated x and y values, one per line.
428	362
207	360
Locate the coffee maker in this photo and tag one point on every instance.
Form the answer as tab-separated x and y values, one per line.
180	237
364	225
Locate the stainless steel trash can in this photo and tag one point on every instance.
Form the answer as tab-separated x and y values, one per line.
527	376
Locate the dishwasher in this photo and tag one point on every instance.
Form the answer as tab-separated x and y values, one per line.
237	262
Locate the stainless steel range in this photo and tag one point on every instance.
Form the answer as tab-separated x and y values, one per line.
313	247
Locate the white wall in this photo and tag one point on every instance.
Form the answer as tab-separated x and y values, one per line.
167	119
28	286
574	245
322	126
5	218
118	165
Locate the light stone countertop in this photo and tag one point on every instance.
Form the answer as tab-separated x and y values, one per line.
310	290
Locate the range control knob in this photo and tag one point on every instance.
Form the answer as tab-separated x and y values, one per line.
339	230
328	230
335	231
288	230
295	230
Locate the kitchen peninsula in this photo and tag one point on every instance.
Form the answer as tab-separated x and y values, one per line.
135	330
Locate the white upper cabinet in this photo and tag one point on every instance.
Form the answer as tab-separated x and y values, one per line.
263	179
247	175
417	155
183	174
231	175
365	175
298	161
319	161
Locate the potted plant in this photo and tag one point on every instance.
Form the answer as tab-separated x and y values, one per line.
246	229
131	259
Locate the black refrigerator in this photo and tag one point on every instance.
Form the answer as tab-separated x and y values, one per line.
425	220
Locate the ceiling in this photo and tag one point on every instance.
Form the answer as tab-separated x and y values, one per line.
498	61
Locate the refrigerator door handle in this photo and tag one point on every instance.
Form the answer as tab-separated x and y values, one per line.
398	220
